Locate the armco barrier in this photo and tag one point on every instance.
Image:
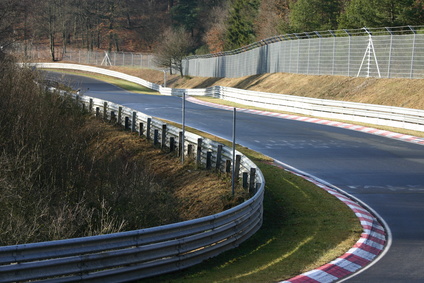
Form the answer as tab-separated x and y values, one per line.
141	253
399	117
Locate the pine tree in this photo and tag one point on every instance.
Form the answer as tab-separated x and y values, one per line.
185	14
241	23
381	13
310	15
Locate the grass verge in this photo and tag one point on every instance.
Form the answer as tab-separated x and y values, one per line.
304	227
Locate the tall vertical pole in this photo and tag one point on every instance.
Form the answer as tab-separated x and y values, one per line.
183	128
234	153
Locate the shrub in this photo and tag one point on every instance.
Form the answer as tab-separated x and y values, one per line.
59	178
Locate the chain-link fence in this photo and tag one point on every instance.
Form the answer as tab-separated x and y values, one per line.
379	52
83	56
385	52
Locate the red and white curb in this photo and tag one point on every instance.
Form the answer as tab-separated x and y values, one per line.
371	244
374	238
369	130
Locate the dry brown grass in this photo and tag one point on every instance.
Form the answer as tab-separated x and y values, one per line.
199	192
394	92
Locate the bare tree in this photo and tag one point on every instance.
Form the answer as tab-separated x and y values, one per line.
176	45
9	11
273	16
216	28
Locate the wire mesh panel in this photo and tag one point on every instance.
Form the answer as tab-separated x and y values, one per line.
382	52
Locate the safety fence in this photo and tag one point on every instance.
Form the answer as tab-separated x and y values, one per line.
405	118
89	57
143	253
396	52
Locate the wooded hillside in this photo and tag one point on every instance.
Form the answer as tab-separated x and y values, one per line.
213	25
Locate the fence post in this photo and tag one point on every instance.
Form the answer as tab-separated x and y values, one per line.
90	105
97	112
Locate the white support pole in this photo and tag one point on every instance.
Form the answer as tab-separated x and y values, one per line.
370	49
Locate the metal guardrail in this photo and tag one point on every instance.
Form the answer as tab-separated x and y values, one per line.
399	117
143	253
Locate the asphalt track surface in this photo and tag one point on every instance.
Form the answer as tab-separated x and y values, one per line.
386	174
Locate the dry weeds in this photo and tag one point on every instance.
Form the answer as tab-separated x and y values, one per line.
199	192
393	92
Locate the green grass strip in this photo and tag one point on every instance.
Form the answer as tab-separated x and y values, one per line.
304	227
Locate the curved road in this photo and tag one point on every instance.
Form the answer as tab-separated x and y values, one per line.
386	174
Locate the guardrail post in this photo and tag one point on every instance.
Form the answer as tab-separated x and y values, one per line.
245	177
163	136
127	123
227	166
180	144
209	160
189	150
156	137
120	115
105	110
149	125
90	105
134	118
199	151
237	168
218	157
97	112
252	180
171	144
112	116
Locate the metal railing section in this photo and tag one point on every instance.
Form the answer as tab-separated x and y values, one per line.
405	118
143	253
